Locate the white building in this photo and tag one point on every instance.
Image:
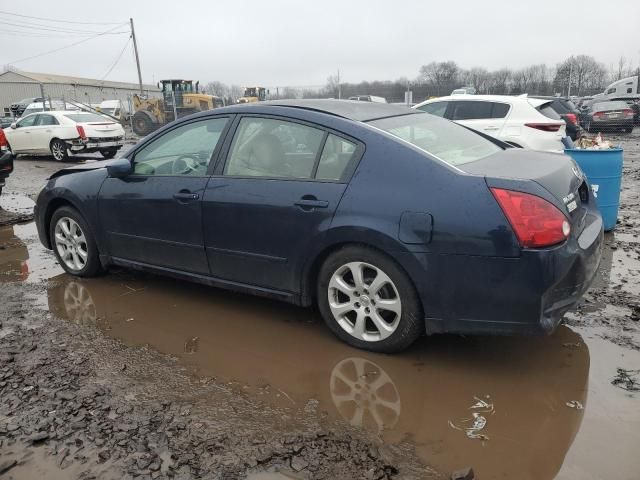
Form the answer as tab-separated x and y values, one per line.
14	86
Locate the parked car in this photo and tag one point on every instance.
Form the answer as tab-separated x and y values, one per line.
18	107
394	222
61	132
6	122
115	109
368	98
464	91
6	160
519	121
568	112
607	116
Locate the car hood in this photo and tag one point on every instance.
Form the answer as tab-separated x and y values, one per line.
82	168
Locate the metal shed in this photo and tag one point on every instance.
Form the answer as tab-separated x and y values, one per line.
15	86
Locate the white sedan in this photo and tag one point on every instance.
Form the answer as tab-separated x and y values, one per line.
65	132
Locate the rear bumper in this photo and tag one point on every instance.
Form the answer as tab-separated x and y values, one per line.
496	295
95	144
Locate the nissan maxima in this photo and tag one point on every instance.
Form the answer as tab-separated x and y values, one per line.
394	222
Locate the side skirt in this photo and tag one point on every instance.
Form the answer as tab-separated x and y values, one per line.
203	279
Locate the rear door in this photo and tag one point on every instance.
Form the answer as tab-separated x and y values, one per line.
275	193
154	215
43	131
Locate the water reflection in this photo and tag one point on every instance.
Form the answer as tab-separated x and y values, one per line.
416	395
13	256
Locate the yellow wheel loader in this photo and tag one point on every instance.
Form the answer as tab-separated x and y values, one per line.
179	98
253	94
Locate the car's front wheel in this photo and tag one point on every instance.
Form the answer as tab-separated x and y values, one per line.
109	153
368	301
59	150
73	243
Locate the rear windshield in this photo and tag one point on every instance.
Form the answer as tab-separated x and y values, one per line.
446	140
87	117
610	106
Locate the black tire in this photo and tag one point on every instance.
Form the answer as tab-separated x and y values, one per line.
108	153
628	130
411	323
142	124
92	267
59	150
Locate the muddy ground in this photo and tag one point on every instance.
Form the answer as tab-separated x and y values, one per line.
136	376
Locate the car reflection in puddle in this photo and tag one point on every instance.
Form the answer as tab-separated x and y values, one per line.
411	397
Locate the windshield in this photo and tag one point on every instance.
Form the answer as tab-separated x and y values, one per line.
446	140
87	117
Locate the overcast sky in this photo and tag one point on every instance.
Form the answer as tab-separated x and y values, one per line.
301	43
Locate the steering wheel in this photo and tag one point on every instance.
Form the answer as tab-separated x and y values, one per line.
185	164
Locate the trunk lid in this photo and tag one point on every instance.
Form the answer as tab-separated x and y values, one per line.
557	174
102	129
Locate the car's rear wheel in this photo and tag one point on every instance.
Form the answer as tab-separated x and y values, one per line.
59	150
73	243
368	301
628	130
109	153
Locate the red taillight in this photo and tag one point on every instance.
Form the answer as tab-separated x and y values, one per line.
545	127
598	114
80	129
4	144
573	119
536	222
628	112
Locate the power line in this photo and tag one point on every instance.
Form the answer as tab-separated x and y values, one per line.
66	46
38	28
117	59
59	21
54	30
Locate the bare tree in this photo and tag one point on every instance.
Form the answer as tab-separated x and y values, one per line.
442	76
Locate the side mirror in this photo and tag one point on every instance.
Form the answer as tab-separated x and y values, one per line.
13	125
119	168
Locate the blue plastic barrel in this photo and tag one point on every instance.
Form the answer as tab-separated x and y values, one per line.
603	169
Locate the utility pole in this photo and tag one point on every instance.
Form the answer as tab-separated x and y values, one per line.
339	86
570	75
135	50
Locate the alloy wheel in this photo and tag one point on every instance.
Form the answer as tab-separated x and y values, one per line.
71	243
58	151
364	301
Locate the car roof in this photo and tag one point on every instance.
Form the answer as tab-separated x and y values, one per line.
533	101
349	109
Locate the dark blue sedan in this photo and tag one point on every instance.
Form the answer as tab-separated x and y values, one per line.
394	222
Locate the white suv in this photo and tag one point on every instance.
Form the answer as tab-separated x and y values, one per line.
520	121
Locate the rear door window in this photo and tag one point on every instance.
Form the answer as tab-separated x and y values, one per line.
436	108
471	110
46	120
499	110
273	148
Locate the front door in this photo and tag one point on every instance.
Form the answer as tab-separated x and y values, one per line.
20	137
275	194
154	215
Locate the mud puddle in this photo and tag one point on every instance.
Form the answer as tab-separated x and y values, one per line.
500	405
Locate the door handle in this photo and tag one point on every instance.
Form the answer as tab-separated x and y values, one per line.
492	128
309	203
186	196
